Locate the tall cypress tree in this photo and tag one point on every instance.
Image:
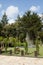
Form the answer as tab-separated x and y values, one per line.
4	19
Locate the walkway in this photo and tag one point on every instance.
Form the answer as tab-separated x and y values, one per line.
13	60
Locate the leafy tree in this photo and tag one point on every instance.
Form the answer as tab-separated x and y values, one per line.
10	30
31	23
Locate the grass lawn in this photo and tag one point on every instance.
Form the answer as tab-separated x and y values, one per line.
30	51
41	51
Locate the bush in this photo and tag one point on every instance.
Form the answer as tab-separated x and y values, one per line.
26	47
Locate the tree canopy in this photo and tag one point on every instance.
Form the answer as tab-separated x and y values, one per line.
29	22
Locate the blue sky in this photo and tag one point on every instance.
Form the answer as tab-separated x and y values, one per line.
15	7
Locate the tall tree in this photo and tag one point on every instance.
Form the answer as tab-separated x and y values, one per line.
4	19
1	27
31	23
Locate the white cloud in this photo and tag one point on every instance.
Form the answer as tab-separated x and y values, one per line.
11	21
11	11
40	15
0	5
34	8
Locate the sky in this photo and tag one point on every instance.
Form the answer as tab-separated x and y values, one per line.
13	8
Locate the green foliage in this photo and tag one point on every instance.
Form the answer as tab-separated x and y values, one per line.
4	19
1	27
31	23
37	45
27	23
5	41
13	42
1	38
26	47
16	33
22	37
41	35
3	22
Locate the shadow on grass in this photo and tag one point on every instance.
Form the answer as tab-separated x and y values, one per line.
19	55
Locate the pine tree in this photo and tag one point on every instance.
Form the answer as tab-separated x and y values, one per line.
4	19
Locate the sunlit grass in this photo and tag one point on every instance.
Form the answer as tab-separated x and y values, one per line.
30	51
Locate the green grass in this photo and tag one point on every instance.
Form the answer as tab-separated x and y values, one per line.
41	51
30	51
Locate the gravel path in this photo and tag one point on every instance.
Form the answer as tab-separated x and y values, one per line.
13	60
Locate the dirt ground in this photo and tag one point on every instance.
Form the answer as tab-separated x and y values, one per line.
13	60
